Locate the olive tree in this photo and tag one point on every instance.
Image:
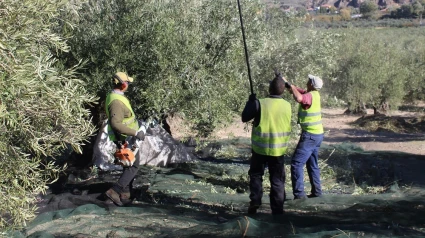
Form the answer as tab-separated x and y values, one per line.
413	53
372	70
187	57
368	8
42	106
345	14
418	9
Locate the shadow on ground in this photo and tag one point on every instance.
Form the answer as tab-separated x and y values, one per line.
209	198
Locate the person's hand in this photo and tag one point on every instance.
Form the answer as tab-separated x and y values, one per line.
252	97
279	76
287	84
140	135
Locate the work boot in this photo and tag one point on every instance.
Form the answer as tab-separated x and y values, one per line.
277	213
313	196
114	196
252	209
125	197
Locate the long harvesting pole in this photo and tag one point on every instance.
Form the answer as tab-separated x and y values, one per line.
246	50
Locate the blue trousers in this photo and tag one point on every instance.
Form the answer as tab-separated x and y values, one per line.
277	180
306	153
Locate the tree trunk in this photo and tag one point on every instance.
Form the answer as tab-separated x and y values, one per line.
360	109
381	109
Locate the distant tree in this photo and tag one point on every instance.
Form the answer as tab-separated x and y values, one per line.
414	61
301	11
408	10
376	70
405	11
368	8
345	14
418	8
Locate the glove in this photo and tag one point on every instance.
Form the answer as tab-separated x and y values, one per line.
287	84
140	135
252	97
279	76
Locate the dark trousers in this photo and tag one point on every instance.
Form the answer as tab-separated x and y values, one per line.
306	153
126	179
277	180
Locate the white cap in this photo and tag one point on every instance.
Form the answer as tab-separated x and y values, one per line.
316	81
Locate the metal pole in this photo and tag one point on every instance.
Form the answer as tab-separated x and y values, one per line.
246	51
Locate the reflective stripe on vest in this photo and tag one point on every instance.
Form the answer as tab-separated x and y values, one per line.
129	121
310	120
271	136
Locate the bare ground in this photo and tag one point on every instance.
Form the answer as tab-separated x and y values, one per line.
341	128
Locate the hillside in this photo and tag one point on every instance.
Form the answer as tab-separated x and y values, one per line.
337	3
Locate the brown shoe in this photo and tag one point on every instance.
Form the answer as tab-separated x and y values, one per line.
125	197
114	196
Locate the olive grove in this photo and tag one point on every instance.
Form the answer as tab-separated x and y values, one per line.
379	69
187	57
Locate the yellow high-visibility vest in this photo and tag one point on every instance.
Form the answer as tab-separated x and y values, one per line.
129	121
310	120
272	135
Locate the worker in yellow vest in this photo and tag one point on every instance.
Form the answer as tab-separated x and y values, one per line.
307	150
269	141
122	123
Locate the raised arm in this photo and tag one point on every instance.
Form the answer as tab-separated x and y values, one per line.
294	90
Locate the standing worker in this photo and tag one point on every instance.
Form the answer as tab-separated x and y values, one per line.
122	123
269	139
307	151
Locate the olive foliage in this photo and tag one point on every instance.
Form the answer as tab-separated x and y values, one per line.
187	57
379	69
42	106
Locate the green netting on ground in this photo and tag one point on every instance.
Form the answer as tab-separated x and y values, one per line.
354	216
366	194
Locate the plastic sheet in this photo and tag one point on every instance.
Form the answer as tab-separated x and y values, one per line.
157	149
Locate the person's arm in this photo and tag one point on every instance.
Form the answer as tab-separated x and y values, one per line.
300	95
303	97
251	110
117	112
296	94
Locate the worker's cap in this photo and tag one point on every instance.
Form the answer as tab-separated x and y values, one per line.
316	81
122	77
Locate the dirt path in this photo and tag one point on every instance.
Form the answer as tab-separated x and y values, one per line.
338	130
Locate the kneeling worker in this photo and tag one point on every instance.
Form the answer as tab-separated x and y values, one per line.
269	141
